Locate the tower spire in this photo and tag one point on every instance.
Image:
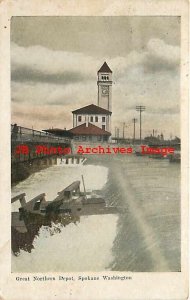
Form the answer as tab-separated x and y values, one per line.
105	68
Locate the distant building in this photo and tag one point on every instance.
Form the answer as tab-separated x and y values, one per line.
93	122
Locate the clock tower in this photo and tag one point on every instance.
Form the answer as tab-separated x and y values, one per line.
105	87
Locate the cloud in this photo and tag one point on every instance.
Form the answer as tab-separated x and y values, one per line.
160	49
47	85
40	117
37	93
40	64
37	63
157	56
161	56
26	74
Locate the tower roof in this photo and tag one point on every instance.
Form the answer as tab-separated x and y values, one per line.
105	68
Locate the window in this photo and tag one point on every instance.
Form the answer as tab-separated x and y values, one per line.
76	138
99	138
103	119
104	127
84	138
105	77
79	118
96	119
91	119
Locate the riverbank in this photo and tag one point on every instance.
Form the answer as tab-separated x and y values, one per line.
22	170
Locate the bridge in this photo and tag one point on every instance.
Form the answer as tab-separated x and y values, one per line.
25	159
25	140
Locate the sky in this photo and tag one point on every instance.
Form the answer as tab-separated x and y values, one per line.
54	64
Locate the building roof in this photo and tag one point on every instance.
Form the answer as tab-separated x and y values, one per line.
53	130
105	68
90	130
92	109
58	132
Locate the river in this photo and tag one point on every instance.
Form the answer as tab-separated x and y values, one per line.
144	237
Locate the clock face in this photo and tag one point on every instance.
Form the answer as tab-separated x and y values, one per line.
105	90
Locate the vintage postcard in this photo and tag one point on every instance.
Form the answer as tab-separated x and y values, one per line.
95	116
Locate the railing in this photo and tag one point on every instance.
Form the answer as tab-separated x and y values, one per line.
23	134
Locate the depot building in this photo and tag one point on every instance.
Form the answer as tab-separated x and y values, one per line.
92	123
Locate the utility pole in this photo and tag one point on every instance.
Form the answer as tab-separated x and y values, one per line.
140	108
123	130
134	121
117	132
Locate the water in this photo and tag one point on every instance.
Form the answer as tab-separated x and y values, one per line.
144	237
